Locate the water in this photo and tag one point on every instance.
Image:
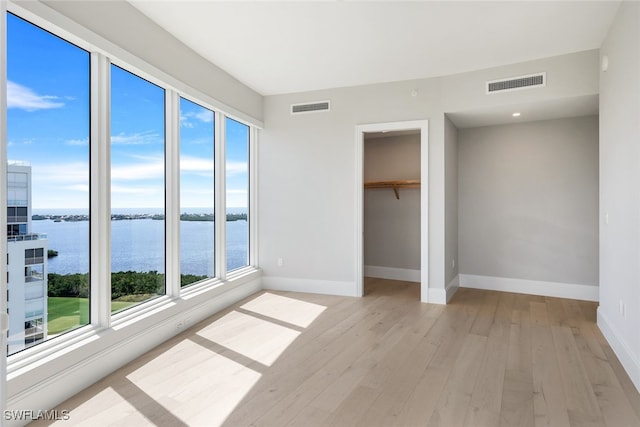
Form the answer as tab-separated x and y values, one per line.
138	245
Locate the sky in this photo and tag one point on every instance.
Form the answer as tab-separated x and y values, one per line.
48	126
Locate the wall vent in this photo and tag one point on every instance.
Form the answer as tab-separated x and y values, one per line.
517	83
310	107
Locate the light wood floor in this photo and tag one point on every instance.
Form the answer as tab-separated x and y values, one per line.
291	359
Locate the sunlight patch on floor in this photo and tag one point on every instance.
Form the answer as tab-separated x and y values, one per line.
203	377
255	338
116	410
205	387
285	309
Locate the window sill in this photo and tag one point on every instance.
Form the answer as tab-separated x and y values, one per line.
134	321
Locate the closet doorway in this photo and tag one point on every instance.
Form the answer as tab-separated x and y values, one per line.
401	250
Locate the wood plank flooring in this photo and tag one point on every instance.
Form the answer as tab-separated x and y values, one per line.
291	359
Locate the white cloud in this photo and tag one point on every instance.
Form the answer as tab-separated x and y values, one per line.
204	116
196	141
195	164
78	142
144	169
129	189
24	98
148	137
78	187
237	198
61	185
136	196
237	168
74	173
184	122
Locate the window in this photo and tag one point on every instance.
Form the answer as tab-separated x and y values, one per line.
47	175
54	163
137	189
237	193
34	256
17	187
34	331
197	191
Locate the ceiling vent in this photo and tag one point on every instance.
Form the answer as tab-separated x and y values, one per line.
311	107
517	83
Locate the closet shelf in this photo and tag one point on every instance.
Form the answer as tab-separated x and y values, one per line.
395	185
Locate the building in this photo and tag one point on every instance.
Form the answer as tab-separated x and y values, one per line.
26	264
308	178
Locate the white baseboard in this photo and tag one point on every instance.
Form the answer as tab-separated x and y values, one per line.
629	360
404	274
436	296
313	286
443	296
452	287
47	387
532	287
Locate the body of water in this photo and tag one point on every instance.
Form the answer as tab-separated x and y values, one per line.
138	245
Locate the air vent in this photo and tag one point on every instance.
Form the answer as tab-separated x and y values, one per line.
310	107
517	83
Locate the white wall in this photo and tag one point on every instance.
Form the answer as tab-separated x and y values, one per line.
451	260
307	191
528	197
619	311
392	226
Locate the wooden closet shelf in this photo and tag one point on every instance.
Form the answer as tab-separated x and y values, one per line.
395	185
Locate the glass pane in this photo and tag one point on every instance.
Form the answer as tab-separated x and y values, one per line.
237	193
47	184
197	227
137	190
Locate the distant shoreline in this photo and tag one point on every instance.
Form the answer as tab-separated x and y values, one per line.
126	217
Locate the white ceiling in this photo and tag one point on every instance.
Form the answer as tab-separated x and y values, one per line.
529	112
284	47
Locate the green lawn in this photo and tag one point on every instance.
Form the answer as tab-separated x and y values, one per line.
68	313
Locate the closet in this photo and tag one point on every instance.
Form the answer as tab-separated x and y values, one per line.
392	205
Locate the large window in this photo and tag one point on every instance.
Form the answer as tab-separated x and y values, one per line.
137	189
237	192
47	184
101	160
197	191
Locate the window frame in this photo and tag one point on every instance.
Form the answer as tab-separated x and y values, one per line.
103	53
167	193
36	259
250	188
216	163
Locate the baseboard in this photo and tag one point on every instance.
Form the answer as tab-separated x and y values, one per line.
452	287
313	286
404	274
532	287
443	296
436	296
630	361
48	390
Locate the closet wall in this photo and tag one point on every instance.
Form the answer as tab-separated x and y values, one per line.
528	202
391	225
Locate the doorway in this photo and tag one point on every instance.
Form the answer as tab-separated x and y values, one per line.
395	188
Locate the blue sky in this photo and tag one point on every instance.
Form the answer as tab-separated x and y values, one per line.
48	125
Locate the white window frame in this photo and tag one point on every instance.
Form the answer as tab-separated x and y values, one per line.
103	53
4	318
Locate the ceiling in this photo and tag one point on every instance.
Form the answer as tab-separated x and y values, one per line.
528	112
285	47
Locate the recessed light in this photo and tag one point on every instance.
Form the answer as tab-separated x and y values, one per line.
516	114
